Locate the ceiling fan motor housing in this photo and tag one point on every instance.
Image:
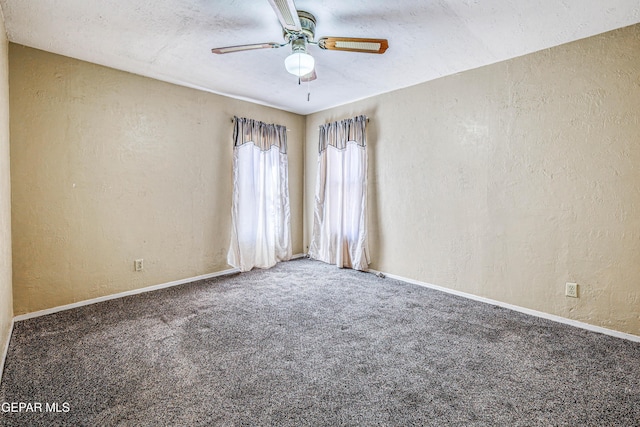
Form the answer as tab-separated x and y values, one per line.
307	25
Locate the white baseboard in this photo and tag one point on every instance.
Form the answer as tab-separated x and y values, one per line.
517	308
131	292
5	350
123	294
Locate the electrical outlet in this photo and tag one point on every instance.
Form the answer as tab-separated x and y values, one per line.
138	264
571	290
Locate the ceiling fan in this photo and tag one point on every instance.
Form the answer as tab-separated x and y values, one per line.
299	31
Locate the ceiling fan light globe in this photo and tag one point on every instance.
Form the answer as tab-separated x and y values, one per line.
299	63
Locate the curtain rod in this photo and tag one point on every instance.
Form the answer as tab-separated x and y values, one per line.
288	130
365	118
231	119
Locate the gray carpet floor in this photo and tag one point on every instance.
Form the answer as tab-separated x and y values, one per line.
305	343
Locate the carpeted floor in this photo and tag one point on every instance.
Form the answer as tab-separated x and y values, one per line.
305	343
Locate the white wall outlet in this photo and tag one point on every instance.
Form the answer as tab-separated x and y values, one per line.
138	264
571	290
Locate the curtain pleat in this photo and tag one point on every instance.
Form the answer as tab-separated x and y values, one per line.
340	214
260	216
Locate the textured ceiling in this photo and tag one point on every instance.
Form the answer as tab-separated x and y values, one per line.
171	40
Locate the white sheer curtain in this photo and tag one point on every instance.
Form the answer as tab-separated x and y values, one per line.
340	215
260	216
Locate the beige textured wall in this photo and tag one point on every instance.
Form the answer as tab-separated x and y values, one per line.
509	180
108	167
6	308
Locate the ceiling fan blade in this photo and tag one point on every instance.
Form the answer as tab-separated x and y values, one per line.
287	14
309	77
242	47
351	44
